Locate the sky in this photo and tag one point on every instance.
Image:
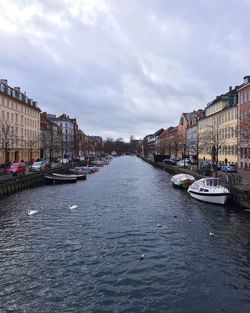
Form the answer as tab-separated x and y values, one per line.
124	67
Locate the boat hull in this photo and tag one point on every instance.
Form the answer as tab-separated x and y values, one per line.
219	198
53	180
77	176
182	181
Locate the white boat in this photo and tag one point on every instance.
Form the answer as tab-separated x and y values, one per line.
77	176
209	190
84	170
182	180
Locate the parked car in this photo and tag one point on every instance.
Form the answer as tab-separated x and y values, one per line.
170	161
64	161
230	168
16	168
205	168
193	161
38	166
183	163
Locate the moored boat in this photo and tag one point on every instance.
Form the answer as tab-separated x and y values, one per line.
182	180
51	179
209	189
84	169
77	176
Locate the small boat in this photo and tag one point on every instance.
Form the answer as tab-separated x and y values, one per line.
209	190
77	176
182	180
51	179
84	170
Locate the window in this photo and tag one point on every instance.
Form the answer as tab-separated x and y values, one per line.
241	97
235	114
232	115
245	153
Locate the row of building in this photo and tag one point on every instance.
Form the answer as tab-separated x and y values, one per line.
220	132
27	133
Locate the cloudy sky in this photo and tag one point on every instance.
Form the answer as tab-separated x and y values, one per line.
124	67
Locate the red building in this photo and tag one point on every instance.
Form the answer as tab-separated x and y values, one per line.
244	124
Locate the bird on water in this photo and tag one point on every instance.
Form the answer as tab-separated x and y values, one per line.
74	206
142	257
32	212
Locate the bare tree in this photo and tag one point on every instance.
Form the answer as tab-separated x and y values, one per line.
213	140
51	139
32	144
7	138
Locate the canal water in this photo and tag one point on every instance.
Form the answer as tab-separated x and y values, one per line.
89	259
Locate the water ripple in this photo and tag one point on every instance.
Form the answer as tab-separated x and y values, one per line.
88	260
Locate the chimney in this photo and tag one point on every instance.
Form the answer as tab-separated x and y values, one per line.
230	88
4	81
246	79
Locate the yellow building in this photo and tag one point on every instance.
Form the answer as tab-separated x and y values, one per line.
217	132
19	125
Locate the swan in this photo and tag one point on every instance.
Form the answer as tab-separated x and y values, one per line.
72	207
32	212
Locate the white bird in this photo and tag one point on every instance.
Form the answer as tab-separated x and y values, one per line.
158	225
211	234
190	220
142	257
32	212
72	207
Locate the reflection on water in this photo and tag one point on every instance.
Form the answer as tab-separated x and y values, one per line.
88	259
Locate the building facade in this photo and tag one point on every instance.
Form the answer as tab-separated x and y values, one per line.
20	125
68	127
244	124
95	146
51	138
82	142
217	131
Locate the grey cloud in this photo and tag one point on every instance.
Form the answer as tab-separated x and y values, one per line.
132	69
